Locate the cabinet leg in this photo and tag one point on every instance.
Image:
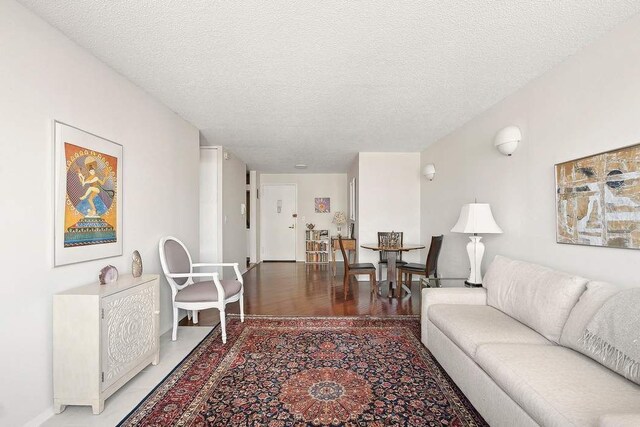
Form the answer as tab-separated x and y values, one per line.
58	407
97	406
156	359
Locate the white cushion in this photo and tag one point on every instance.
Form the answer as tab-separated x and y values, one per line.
207	292
537	296
620	420
586	307
557	386
472	325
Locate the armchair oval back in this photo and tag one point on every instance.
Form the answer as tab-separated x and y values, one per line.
175	259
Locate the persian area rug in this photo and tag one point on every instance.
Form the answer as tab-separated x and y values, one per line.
279	372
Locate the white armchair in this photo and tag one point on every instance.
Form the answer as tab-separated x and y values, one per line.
193	296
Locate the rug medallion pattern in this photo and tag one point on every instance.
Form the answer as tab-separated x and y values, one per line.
281	372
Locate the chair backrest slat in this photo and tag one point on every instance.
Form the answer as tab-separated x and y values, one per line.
381	237
344	253
433	255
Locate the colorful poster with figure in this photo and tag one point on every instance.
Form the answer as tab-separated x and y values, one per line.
90	215
88	196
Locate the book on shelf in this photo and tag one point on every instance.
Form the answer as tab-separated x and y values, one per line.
319	257
317	246
317	234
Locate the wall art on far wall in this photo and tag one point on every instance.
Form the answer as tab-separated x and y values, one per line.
323	204
88	196
598	199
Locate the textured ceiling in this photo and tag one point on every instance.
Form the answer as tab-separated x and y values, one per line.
286	82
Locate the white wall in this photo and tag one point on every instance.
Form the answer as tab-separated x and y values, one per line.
210	229
388	200
253	231
586	105
234	188
310	186
45	76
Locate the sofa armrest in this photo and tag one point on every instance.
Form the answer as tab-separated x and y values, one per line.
432	296
619	420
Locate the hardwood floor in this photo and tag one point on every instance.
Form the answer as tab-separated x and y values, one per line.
286	288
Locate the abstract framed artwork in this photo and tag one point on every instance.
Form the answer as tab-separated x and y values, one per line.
598	199
323	204
88	196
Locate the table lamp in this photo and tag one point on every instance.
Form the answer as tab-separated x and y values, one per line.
476	218
339	219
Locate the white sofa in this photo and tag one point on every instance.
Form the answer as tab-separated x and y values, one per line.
512	348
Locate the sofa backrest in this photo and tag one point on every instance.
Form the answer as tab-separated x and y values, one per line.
537	296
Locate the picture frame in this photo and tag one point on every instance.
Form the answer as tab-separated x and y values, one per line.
352	199
598	199
322	204
87	196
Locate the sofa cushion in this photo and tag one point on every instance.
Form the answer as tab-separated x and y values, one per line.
557	386
584	310
469	326
537	296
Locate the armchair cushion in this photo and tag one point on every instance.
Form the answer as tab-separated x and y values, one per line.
206	291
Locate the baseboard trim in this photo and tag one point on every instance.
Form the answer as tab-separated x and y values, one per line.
41	418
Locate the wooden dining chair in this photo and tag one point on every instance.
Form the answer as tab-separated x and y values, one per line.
383	255
429	269
355	269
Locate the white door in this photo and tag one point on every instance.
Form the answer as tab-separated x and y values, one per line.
278	222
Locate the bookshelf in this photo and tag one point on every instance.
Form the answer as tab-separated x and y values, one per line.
317	246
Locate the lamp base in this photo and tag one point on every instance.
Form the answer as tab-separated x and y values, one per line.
475	250
468	284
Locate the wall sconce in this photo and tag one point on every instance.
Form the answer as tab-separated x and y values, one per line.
506	141
429	171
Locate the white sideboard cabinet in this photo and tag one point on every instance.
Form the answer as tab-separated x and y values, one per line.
103	335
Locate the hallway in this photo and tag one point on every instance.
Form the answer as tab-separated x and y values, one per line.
288	288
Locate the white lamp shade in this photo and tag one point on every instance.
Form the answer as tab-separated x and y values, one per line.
429	171
506	141
476	218
339	218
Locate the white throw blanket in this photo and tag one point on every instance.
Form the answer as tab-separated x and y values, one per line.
612	336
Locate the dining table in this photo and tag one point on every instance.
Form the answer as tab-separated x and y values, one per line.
392	256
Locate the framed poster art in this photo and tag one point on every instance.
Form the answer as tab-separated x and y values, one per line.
322	204
598	199
88	196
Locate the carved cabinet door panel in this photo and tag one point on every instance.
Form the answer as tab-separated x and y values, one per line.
128	331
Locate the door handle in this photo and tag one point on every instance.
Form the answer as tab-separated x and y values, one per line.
292	226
